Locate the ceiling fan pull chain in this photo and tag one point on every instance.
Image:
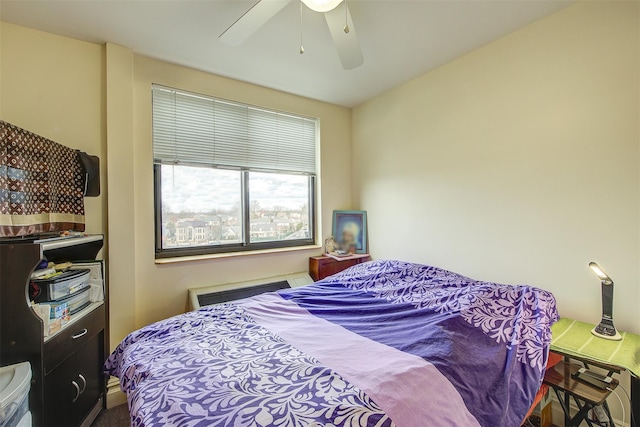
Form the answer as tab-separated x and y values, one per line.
346	18
301	46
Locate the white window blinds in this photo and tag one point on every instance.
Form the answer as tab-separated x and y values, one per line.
195	129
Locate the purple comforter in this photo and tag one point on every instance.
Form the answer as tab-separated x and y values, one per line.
383	343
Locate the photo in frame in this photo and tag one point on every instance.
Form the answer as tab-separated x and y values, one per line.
350	230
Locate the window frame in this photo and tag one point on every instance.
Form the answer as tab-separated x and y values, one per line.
245	245
293	156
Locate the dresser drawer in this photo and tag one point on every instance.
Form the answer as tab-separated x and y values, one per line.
324	266
63	345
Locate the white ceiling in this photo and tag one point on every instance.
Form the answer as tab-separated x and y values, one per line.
400	39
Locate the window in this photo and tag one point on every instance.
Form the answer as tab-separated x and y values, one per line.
230	177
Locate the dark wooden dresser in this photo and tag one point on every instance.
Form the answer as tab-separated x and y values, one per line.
324	266
68	385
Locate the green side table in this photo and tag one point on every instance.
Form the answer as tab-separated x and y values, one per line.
574	338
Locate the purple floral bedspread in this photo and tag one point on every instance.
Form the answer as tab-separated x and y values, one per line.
383	343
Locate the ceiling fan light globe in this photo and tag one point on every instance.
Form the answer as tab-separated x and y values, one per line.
322	5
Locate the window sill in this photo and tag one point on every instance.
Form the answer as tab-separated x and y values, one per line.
236	254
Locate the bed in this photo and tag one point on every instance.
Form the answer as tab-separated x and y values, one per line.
382	343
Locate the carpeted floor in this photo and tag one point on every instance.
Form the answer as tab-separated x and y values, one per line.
114	417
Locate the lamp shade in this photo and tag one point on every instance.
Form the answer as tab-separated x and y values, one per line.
322	5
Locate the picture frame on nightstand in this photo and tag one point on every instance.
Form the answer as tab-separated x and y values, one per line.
350	230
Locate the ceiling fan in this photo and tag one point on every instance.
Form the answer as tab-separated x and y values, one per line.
338	19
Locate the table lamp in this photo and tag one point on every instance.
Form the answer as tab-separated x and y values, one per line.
605	328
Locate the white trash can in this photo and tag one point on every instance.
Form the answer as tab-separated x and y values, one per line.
15	383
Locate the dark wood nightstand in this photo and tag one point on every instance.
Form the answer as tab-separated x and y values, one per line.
324	266
586	396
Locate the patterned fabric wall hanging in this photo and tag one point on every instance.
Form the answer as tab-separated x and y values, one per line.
41	184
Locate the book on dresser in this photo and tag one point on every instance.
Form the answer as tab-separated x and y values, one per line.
53	305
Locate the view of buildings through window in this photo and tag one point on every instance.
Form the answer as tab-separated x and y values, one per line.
203	206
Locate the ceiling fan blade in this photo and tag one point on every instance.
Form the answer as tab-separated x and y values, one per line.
251	21
346	43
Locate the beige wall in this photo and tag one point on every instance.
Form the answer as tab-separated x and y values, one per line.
161	290
52	86
98	99
122	259
518	162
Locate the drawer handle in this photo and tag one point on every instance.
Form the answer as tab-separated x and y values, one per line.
77	387
84	383
80	334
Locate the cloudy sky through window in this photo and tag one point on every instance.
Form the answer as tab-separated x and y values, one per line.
198	189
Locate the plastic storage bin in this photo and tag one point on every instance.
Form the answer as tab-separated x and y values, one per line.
59	287
75	303
15	383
